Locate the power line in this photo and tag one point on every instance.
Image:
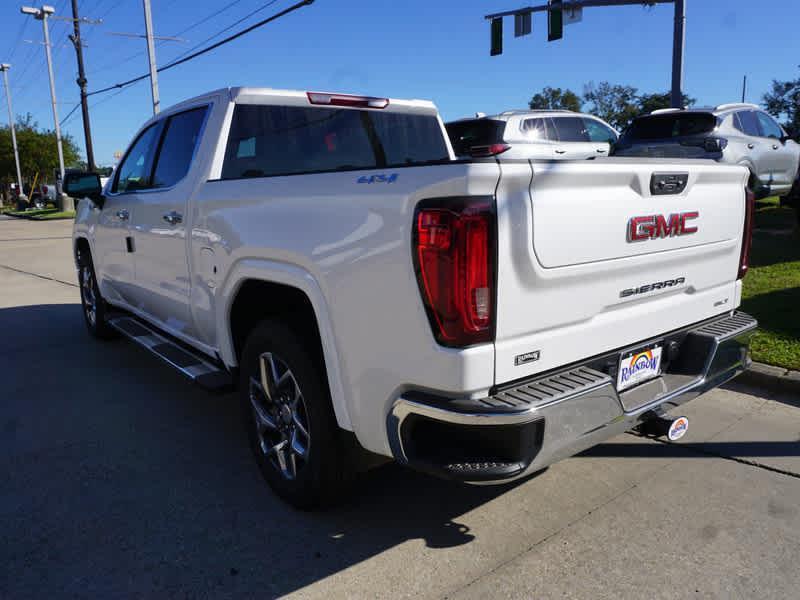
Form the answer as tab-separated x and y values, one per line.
196	24
222	42
228	28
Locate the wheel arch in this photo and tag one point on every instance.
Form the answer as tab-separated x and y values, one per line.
293	291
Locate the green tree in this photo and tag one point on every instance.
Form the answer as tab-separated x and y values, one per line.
650	102
783	103
615	104
555	99
37	151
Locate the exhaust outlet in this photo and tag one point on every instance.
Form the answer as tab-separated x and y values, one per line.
672	429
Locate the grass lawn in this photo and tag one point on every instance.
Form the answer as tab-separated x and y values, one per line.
43	214
772	287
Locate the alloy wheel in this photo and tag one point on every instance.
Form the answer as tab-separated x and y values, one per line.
280	415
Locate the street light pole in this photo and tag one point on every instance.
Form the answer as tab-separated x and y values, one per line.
151	55
41	14
678	43
4	68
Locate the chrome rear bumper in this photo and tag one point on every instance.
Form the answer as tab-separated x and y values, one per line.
532	424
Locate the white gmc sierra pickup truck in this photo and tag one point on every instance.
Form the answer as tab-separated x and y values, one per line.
371	296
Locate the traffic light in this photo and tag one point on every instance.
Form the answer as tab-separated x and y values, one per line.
522	24
555	21
497	36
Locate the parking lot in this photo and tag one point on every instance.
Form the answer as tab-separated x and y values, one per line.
118	478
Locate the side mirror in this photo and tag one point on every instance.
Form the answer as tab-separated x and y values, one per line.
785	138
84	185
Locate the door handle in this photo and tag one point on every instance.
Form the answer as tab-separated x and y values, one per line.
751	146
601	150
123	215
561	151
173	218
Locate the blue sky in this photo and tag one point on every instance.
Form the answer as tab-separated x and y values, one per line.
433	49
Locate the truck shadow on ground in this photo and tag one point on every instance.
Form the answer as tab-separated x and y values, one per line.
118	477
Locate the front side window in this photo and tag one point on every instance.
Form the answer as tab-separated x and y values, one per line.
769	128
177	148
134	172
598	132
284	140
571	129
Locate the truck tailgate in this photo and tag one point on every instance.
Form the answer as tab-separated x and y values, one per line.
576	277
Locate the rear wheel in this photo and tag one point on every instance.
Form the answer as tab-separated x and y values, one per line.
289	418
95	309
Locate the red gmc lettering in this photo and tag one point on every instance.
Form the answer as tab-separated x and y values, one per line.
654	227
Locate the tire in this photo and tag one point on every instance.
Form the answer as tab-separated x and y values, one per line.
294	435
94	308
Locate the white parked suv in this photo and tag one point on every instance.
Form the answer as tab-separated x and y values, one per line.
373	298
538	134
734	134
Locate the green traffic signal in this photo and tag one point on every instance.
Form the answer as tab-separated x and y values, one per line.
555	21
497	36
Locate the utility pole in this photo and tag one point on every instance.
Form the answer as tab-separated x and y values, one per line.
41	14
4	68
678	43
81	81
151	55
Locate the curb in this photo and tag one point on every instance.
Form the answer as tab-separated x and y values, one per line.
772	378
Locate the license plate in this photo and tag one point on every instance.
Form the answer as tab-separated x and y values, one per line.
639	366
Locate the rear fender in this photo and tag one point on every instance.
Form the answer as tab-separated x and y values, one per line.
296	277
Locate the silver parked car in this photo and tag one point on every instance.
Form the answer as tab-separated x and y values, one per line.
543	134
739	134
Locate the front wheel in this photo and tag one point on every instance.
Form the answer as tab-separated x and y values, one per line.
95	309
289	418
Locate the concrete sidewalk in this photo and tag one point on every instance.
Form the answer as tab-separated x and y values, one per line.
118	479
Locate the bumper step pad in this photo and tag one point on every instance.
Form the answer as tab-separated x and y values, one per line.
201	370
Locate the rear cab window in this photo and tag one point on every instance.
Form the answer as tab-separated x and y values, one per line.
467	133
671	125
270	140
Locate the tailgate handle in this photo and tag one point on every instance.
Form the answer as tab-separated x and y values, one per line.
662	184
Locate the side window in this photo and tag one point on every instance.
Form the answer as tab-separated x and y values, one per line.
535	129
177	148
571	129
134	172
748	123
598	132
769	128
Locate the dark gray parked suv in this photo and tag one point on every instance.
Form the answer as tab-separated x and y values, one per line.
739	134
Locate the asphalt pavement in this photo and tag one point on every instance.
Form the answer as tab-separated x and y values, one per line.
120	479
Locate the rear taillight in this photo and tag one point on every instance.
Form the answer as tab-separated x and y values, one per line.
454	256
489	150
44	189
747	236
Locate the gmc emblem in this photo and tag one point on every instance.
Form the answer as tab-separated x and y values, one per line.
654	227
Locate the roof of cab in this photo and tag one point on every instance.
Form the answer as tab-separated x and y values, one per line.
260	95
